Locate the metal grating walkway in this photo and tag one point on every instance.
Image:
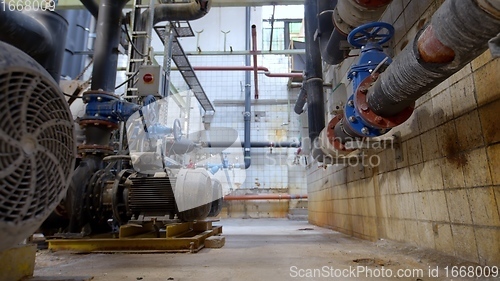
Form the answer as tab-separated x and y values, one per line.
183	29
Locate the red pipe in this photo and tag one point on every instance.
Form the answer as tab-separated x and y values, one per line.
432	50
265	197
254	48
248	68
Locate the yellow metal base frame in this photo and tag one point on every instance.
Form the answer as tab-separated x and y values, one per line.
179	237
17	262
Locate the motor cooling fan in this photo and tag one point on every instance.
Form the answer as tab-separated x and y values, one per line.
37	145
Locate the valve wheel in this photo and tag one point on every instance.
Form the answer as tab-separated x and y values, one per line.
377	32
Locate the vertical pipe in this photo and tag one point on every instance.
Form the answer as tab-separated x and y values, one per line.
272	30
328	36
254	49
248	92
106	45
313	75
103	78
91	6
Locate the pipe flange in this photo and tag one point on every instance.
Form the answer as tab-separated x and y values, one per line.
371	118
343	27
98	123
95	149
330	134
86	95
372	4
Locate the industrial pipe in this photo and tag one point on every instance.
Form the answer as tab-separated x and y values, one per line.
330	39
248	91
40	34
264	197
248	68
106	45
192	10
254	49
98	128
337	18
458	32
350	14
313	75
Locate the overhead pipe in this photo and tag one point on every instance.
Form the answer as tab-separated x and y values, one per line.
192	10
254	49
253	197
458	32
248	68
248	91
350	14
40	34
313	76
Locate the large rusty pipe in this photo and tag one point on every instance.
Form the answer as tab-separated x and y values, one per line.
248	68
372	4
458	33
253	197
350	14
254	49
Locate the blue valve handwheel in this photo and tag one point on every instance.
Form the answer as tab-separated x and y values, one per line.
377	32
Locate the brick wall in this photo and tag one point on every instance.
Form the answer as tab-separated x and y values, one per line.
445	194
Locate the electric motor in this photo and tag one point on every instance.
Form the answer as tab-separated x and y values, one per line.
37	146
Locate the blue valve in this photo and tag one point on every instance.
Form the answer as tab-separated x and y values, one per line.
369	37
374	32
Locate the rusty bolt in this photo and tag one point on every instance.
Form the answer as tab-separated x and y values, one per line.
364	107
378	119
363	89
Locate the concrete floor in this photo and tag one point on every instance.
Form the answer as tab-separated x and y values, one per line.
256	249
